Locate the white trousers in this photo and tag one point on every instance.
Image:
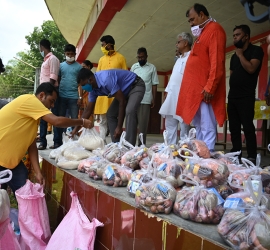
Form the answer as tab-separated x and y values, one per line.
171	125
206	125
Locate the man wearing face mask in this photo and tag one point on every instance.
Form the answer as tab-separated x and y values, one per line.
245	66
203	91
148	73
69	92
49	73
111	59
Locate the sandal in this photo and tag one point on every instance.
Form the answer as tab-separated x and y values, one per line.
54	146
41	147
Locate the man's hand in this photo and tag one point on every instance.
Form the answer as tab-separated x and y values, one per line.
117	132
239	52
152	104
207	97
40	178
88	124
79	102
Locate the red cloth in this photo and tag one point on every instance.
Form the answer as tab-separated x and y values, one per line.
205	70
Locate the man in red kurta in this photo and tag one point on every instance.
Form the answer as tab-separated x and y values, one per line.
202	96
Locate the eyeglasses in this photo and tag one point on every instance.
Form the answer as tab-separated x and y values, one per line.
180	41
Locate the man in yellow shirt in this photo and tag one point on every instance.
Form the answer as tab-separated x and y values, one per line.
110	60
19	121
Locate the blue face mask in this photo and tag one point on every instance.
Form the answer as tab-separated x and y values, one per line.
87	87
42	53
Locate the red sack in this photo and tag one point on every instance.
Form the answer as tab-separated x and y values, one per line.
75	231
33	216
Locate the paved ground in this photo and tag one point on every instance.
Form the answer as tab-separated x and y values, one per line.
151	139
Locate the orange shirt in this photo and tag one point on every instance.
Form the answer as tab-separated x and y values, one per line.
205	70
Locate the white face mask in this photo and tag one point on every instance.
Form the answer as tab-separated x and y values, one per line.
196	30
70	59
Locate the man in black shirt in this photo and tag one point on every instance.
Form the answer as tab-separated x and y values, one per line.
245	66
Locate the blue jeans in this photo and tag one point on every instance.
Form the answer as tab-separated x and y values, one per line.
57	132
19	177
70	105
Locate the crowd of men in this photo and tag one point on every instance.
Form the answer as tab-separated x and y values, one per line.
195	94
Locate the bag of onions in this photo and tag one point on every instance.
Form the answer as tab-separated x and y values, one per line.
156	196
197	146
228	158
87	163
97	169
116	175
198	203
114	151
246	225
207	172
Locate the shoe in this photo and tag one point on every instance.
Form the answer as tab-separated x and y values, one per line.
54	146
41	147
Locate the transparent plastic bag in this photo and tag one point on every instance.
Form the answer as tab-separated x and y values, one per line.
228	158
133	157
77	153
170	170
55	153
116	175
245	225
85	164
66	164
208	172
197	146
242	173
156	196
138	177
114	151
198	203
90	139
97	169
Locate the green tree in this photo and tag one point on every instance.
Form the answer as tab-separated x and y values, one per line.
19	77
50	31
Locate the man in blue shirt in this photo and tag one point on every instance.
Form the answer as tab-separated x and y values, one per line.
69	93
127	89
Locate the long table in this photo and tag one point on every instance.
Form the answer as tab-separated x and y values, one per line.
125	226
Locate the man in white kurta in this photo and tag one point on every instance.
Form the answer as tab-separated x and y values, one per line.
168	108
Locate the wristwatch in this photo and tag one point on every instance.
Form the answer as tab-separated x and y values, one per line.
80	97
